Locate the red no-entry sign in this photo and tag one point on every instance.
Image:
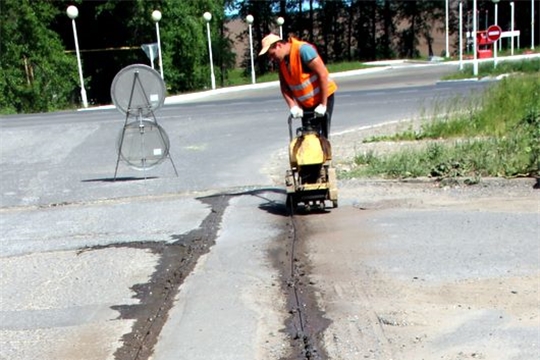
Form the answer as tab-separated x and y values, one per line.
494	32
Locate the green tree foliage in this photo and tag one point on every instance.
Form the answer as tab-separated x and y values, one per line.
183	40
185	45
37	75
39	66
113	32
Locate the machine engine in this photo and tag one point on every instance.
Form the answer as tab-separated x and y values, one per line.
311	179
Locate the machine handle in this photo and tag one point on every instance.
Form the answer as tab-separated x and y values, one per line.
308	115
290	127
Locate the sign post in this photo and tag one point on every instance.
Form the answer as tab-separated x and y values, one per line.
494	34
150	51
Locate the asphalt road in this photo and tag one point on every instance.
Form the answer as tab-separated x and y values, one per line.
179	266
215	143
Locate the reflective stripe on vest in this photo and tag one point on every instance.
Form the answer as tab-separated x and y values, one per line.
305	84
309	95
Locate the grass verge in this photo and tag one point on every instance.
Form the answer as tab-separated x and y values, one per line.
242	77
499	137
503	67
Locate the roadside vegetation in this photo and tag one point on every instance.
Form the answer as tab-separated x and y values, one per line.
488	68
496	135
241	77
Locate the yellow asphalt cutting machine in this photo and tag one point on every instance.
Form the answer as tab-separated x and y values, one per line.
311	179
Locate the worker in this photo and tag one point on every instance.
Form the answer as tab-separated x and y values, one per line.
303	77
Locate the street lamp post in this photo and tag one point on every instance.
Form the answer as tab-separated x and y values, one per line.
475	41
468	33
72	13
249	20
207	16
446	29
499	40
532	24
156	16
461	35
512	28
496	2
280	21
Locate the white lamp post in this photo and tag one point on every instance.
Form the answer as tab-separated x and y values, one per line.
468	33
72	13
446	29
461	35
249	20
512	28
532	24
498	41
207	16
496	2
280	21
475	41
156	16
497	21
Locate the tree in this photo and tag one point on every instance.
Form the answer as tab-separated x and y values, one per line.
364	24
37	75
264	13
418	18
112	32
332	17
388	29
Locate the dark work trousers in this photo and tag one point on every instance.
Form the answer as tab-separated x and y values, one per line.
323	121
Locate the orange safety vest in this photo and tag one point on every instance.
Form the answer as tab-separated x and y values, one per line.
305	87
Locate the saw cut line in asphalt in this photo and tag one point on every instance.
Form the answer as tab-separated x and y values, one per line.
306	322
157	296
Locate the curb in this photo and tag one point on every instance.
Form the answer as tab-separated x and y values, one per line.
378	66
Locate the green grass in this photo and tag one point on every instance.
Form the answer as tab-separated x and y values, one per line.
499	136
503	67
240	77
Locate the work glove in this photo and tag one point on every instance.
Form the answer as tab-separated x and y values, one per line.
296	112
320	110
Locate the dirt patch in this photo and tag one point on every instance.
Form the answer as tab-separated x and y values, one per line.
377	312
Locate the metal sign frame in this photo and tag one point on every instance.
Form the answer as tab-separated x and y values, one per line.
140	105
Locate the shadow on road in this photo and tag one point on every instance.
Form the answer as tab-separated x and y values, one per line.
272	206
120	179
